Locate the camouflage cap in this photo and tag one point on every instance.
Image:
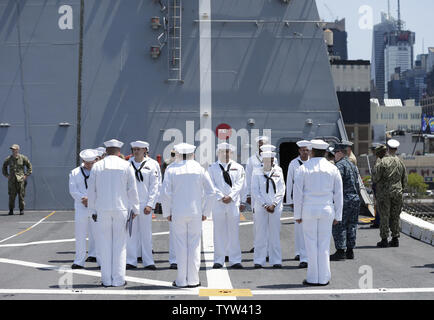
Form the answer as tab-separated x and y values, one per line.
380	148
15	147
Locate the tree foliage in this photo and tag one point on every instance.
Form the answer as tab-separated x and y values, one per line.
416	184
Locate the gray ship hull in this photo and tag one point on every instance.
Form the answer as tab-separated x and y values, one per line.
259	66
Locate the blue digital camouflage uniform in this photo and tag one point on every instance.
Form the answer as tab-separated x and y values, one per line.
344	233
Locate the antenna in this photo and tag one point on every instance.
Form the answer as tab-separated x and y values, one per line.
399	16
388	9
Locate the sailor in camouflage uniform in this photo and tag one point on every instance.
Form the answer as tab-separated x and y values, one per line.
390	177
344	233
17	177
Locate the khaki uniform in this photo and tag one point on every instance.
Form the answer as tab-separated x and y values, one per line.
17	183
390	177
352	158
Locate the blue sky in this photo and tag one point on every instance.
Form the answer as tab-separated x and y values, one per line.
417	15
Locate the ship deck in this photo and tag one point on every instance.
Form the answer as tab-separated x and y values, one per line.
37	249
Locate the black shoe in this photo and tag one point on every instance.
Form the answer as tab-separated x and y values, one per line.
173	266
305	283
217	266
277	266
252	250
151	267
258	266
349	254
21	212
76	266
383	243
194	285
302	265
394	242
175	285
11	212
91	259
339	255
297	258
130	267
237	266
105	285
226	259
139	260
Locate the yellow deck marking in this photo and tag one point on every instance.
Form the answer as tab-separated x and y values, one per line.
31	227
366	220
225	293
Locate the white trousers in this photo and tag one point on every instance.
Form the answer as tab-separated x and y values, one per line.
140	242
172	254
300	248
226	220
84	227
267	236
112	244
187	233
317	233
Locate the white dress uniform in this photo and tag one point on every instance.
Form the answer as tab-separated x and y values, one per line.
156	165
267	225
226	217
187	195
112	191
300	249
147	180
172	253
318	199
84	224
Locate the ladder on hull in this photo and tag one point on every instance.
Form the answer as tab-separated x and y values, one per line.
175	41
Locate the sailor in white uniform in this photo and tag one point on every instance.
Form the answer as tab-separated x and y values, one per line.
84	225
112	192
255	161
147	180
228	179
268	190
149	162
303	150
172	254
187	198
318	202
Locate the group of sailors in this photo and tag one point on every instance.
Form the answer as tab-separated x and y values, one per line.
109	192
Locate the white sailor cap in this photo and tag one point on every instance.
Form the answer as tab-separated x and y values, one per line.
347	143
100	150
319	144
88	155
262	138
113	144
268	147
268	154
225	146
184	148
304	143
139	144
392	143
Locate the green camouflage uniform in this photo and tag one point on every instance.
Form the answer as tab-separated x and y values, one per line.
390	177
17	183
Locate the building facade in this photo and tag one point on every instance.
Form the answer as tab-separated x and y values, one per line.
396	116
352	84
